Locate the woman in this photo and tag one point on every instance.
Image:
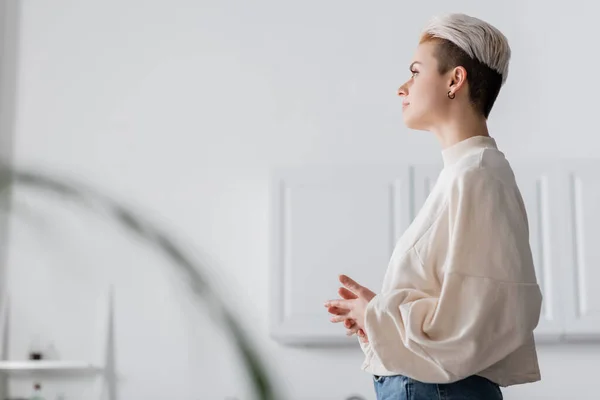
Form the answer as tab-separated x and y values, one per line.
460	299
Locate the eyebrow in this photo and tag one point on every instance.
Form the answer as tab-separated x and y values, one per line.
413	64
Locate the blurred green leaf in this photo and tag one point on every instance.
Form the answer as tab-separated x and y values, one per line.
160	241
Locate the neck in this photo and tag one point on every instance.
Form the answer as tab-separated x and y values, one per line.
460	126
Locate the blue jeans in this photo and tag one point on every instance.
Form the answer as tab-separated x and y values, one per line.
400	387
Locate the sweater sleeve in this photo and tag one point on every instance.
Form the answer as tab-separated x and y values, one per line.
489	302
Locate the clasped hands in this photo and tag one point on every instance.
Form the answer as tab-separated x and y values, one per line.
350	309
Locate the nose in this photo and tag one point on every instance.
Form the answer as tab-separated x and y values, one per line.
403	90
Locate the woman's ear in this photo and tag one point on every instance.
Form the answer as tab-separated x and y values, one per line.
457	79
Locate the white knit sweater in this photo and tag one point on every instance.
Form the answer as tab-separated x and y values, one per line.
460	295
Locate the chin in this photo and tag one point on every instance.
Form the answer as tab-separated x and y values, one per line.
412	124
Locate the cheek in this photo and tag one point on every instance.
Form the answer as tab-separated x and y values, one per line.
426	92
419	93
421	98
426	99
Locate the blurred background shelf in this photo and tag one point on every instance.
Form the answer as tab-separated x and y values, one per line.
49	366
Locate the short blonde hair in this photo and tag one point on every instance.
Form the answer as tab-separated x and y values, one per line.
479	39
477	46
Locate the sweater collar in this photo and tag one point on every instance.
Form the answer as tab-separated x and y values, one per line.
458	150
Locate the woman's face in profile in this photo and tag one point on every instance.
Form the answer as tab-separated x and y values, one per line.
425	93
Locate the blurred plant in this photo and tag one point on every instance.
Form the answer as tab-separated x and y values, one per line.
157	239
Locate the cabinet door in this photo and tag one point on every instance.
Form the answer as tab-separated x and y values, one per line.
326	222
581	182
540	186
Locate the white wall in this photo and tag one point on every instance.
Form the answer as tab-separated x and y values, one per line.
8	48
182	107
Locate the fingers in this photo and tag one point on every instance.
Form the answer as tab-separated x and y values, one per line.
351	325
363	336
345	304
346	294
338	318
353	329
350	284
342	308
338	311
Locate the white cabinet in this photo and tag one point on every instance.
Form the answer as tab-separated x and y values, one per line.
563	200
325	223
582	249
328	221
542	190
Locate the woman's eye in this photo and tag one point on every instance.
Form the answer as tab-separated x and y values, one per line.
414	73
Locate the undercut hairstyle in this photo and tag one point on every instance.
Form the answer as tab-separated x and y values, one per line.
480	48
